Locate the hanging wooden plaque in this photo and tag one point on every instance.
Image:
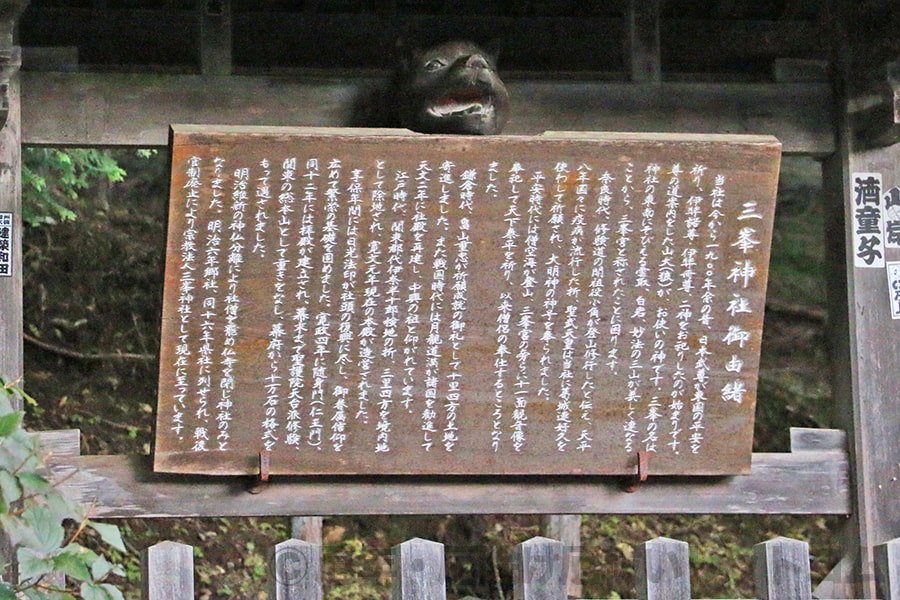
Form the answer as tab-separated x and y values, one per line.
380	302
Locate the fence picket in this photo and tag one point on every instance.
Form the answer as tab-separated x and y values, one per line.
662	570
567	529
417	567
168	572
540	570
781	570
295	571
887	570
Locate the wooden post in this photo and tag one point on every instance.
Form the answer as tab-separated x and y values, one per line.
643	45
887	570
307	529
859	179
418	572
781	570
167	572
215	37
567	529
295	571
60	444
11	367
662	570
539	570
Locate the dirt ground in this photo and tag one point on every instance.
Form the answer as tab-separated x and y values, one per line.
93	292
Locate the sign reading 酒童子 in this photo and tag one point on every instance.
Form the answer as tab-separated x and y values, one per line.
380	302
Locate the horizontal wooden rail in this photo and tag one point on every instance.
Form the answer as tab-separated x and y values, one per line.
591	41
813	479
94	109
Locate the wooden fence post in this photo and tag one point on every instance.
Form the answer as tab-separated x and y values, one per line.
662	570
295	571
418	572
781	570
567	529
167	572
11	365
540	568
307	529
887	570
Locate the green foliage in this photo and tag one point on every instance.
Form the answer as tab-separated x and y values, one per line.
53	179
33	515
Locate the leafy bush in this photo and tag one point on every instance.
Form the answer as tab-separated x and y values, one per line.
33	516
52	180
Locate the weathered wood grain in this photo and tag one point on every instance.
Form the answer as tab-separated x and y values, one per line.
418	571
215	36
307	529
887	570
781	570
11	364
807	439
401	343
11	361
662	570
295	571
867	371
167	572
540	570
137	109
60	443
567	529
120	486
643	45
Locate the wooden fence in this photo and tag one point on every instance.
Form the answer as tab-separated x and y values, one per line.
662	571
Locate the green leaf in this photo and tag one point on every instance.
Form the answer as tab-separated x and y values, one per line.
5	404
9	423
112	591
46	527
110	534
32	565
99	591
73	563
10	487
63	506
19	534
35	483
6	592
101	568
33	594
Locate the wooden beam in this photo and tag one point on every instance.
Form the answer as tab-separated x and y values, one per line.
788	483
215	36
642	17
292	39
136	110
879	125
868	343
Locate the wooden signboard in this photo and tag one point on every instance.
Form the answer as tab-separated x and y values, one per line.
379	302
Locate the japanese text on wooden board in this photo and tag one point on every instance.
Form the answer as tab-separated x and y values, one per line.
398	305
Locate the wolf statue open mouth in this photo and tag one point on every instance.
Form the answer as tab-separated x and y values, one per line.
452	88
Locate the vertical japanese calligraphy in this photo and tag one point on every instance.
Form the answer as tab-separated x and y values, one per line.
6	244
388	303
868	220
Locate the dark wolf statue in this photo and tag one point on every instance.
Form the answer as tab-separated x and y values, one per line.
450	88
